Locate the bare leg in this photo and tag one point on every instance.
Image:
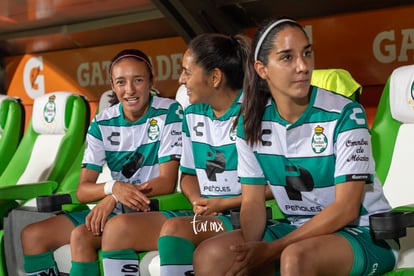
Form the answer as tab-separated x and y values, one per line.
323	255
213	256
46	235
84	244
138	231
193	229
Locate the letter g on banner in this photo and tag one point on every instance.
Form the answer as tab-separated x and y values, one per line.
33	80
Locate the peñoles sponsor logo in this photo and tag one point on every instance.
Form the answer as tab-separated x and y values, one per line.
213	188
303	208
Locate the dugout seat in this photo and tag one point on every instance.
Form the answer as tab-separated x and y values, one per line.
21	216
12	119
52	140
393	151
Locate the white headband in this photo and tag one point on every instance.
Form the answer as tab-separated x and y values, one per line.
265	33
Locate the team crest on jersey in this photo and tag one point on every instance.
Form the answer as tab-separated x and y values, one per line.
153	130
319	140
49	110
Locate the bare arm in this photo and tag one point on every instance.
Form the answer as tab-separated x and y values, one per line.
343	210
253	212
134	196
88	190
166	182
256	253
189	187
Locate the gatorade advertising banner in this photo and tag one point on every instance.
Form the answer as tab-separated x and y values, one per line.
85	71
368	44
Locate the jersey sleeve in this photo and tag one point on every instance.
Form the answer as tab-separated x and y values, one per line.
187	160
94	156
248	167
171	139
354	161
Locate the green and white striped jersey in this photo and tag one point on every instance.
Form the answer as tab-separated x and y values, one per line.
209	149
134	150
302	162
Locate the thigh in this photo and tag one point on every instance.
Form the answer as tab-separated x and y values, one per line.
213	256
49	234
139	231
221	243
196	228
329	254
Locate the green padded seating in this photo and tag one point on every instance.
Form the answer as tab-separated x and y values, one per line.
50	145
393	150
12	120
52	140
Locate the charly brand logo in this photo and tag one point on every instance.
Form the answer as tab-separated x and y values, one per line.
180	112
33	79
355	116
198	129
319	140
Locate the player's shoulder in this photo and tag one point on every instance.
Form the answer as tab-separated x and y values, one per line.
331	101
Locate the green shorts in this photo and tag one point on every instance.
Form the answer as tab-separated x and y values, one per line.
371	257
79	218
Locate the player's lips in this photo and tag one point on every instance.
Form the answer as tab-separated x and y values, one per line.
131	100
301	81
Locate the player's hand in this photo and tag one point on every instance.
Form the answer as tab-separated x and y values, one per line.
132	195
207	206
97	217
249	257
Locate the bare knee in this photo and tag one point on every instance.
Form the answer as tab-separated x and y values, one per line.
30	233
212	257
295	261
117	226
118	233
81	237
172	227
